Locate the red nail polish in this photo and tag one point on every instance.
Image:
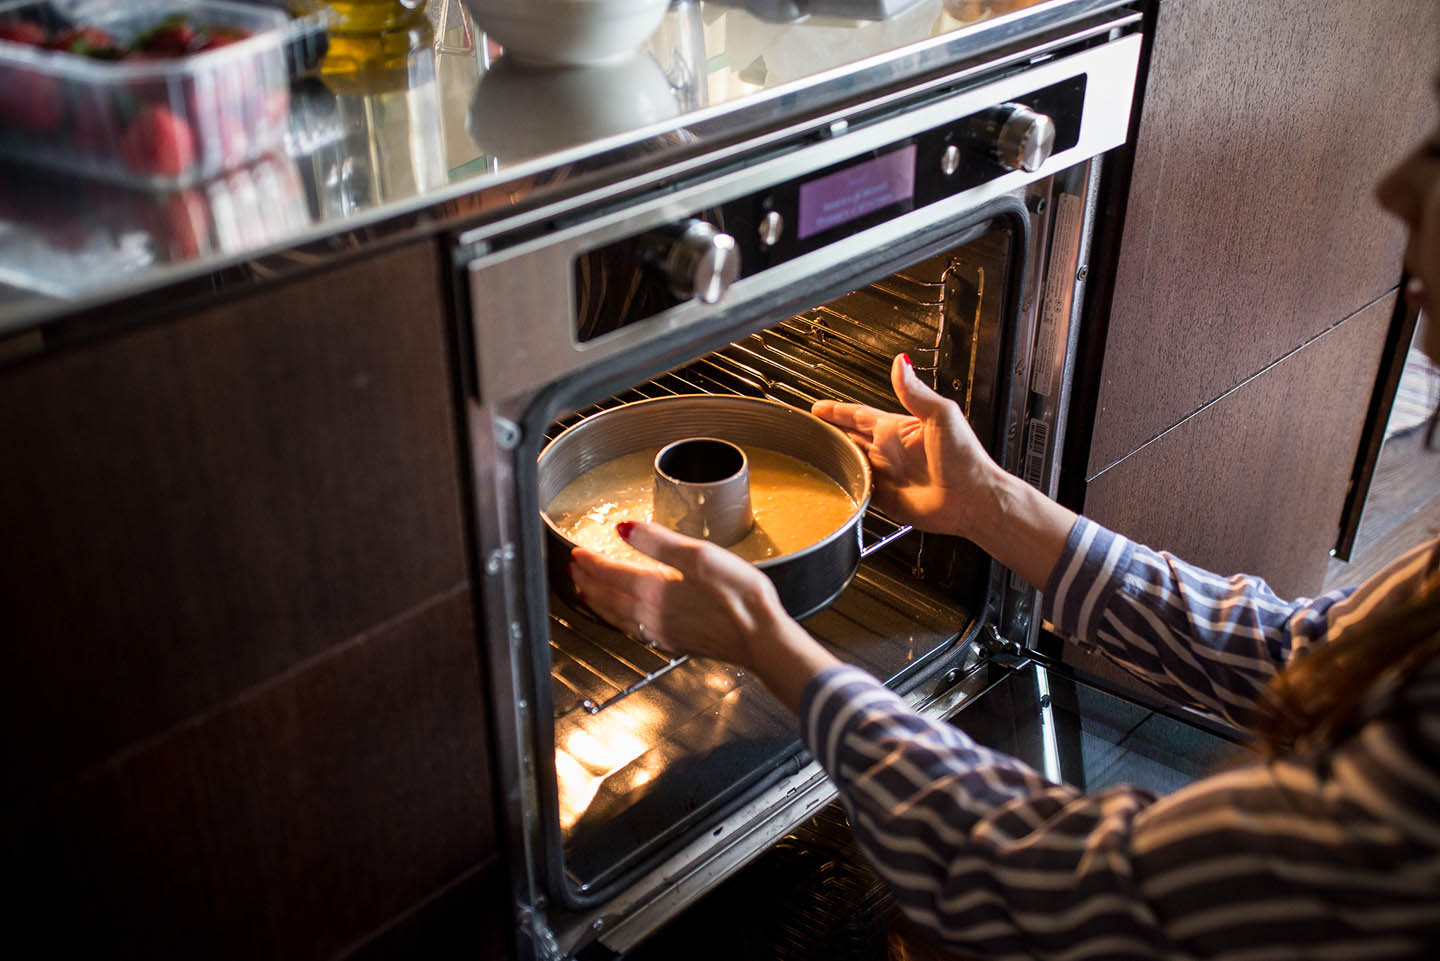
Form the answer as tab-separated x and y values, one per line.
906	358
624	528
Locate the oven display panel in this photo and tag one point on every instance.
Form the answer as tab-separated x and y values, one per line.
617	285
856	191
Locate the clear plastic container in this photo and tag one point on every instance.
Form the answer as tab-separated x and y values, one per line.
146	120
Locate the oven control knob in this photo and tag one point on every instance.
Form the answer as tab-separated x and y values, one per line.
700	262
1022	138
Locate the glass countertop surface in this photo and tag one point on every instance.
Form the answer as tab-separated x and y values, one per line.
395	123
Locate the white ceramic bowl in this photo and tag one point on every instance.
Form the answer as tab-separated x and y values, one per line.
569	32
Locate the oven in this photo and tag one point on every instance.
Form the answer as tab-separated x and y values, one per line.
949	217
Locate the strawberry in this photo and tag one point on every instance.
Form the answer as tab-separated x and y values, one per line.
234	140
223	37
275	110
59	219
30	101
158	143
180	224
87	42
24	31
173	38
90	124
62	230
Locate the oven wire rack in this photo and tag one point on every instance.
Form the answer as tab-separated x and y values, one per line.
821	353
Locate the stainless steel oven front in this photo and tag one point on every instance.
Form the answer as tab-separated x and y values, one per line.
949	219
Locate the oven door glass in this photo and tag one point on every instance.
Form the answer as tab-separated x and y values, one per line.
650	749
1078	734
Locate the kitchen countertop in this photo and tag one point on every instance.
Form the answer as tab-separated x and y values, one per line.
433	129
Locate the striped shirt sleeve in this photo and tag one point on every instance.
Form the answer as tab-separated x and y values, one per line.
1335	857
1200	640
1272	861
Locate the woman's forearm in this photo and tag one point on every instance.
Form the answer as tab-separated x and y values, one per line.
785	658
1018	526
1010	520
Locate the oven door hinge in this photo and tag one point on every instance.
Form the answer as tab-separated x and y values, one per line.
996	648
1012	655
532	925
968	677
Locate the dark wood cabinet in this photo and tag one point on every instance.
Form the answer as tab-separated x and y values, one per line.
1215	488
1255	276
241	697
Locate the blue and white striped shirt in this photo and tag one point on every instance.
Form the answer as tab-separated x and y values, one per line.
1288	858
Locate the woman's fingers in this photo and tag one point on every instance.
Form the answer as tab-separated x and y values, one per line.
626	578
675	607
625	595
915	396
700	562
863	422
607	586
659	542
875	432
854	419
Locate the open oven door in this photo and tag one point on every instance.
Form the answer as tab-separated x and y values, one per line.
671	773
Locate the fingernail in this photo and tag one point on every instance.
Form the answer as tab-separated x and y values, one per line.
906	358
624	528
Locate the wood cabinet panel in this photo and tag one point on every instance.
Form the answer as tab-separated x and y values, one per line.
194	507
293	822
1251	226
468	921
1223	489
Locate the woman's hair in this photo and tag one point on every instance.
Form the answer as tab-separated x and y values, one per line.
1323	698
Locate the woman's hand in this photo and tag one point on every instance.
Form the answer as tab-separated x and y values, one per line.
932	471
708	602
929	466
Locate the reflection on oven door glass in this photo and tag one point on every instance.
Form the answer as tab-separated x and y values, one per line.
1094	740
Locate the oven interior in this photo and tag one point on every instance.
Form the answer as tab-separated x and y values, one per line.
649	749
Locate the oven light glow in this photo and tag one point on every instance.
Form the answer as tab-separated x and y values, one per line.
577	788
602	757
586	756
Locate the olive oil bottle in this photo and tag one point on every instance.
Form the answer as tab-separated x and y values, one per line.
365	16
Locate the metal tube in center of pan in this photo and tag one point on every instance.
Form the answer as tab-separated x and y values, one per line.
702	488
